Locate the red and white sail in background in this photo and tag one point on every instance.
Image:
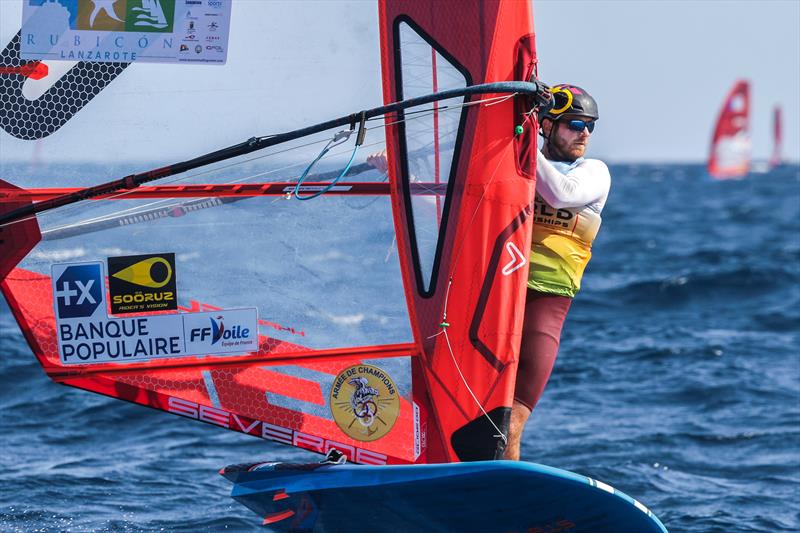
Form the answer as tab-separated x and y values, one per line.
730	145
777	137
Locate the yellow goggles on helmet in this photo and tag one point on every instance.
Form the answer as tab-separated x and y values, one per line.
567	105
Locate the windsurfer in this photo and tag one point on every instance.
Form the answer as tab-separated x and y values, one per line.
570	194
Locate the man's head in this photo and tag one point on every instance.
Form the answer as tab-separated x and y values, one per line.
567	126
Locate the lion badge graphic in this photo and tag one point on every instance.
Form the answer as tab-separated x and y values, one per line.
364	402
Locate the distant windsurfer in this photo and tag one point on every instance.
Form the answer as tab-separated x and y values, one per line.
570	194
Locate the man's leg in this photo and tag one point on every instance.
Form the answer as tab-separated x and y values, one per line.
544	318
519	415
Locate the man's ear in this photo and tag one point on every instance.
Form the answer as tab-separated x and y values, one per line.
547	125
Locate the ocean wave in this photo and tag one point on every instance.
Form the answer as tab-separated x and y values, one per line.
689	287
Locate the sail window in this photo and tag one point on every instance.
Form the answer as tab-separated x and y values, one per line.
428	143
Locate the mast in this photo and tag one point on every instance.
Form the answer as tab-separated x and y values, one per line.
466	313
777	137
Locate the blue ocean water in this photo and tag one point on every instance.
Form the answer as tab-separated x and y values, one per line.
678	382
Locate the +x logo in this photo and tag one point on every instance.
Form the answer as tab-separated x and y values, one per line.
78	291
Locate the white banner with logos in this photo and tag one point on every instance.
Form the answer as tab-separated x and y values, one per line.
87	335
128	31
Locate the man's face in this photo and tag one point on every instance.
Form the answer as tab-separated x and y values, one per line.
569	142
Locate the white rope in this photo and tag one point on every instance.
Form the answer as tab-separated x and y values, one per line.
463	379
444	325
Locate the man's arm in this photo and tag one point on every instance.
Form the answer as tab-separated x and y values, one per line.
378	161
587	183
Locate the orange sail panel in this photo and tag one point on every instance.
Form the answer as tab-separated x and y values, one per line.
286	403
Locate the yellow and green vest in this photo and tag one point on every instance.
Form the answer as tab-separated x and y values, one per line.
561	246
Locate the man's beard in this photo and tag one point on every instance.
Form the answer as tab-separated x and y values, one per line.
562	149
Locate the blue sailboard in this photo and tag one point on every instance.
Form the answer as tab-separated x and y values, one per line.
485	496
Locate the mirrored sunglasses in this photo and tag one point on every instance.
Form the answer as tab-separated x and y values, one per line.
578	125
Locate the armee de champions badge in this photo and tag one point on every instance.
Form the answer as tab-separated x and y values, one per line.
364	402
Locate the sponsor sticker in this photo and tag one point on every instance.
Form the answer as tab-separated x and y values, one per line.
141	283
226	331
364	402
417	434
78	290
87	335
122	30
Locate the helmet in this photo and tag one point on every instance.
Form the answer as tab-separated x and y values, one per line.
570	100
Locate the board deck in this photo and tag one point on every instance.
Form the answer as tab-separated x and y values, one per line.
486	496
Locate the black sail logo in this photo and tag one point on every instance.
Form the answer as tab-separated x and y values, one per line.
36	119
142	283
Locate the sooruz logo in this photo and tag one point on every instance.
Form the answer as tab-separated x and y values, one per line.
364	402
140	283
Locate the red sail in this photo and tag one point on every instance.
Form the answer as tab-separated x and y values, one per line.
329	301
777	138
466	301
730	145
